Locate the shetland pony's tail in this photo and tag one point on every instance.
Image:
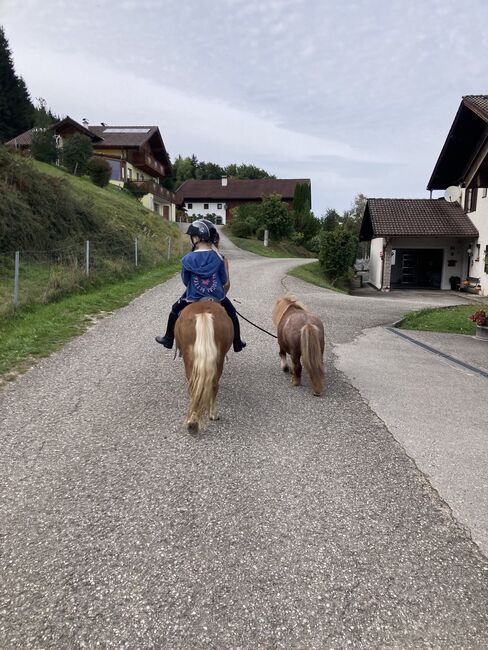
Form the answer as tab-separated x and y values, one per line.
312	356
204	366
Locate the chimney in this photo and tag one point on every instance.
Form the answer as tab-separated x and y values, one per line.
224	181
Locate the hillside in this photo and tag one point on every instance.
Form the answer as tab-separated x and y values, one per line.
43	207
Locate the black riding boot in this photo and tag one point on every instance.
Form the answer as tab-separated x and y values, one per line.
238	343
168	339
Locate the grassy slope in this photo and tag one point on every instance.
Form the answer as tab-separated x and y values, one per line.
275	249
39	330
313	274
36	329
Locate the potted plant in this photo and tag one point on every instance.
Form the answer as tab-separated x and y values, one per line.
481	319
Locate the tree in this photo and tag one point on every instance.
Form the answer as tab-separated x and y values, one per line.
99	171
43	116
277	217
353	217
209	171
331	220
77	151
16	110
43	146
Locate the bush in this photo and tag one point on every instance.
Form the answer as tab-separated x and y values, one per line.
297	238
313	244
99	171
337	253
260	233
43	146
277	217
241	229
77	151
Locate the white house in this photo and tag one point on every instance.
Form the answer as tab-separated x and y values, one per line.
220	196
462	172
417	243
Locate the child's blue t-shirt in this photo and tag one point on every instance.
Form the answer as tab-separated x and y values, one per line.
204	275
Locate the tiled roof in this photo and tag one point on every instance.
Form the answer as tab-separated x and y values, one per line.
21	140
237	189
123	136
25	139
478	104
415	218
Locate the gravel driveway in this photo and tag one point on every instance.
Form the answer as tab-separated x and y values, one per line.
293	522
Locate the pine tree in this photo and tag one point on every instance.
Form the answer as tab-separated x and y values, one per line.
16	110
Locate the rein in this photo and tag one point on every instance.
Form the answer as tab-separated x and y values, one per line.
254	324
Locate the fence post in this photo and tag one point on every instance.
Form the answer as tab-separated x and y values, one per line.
169	248
16	278
266	237
136	252
87	257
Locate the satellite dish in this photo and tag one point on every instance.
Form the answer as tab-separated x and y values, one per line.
453	193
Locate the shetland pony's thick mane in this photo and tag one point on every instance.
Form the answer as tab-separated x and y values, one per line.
282	304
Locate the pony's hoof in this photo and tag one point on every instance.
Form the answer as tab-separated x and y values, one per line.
214	417
192	427
286	369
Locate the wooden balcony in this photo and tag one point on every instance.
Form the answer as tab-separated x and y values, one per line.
146	162
150	187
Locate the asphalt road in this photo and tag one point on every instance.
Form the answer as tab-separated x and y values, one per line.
293	522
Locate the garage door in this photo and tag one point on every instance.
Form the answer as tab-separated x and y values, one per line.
415	267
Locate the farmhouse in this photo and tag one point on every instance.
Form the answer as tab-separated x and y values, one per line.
136	155
218	197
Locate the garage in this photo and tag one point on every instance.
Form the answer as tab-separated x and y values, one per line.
416	268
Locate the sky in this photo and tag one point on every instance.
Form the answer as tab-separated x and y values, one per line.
357	95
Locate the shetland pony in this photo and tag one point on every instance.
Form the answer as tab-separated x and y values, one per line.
203	334
301	335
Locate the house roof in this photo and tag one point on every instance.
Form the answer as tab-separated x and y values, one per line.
415	218
25	139
109	137
466	137
133	137
237	189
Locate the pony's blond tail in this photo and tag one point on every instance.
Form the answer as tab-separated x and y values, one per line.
312	356
204	366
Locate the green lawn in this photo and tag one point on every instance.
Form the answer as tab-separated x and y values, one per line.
38	330
443	319
275	249
313	274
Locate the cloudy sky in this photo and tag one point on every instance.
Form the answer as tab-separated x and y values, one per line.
357	95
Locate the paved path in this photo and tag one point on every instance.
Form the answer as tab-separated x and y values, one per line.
294	522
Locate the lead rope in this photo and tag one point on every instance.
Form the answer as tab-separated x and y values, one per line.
254	324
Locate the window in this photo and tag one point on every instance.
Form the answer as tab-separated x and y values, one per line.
485	192
470	199
219	206
189	206
205	206
129	173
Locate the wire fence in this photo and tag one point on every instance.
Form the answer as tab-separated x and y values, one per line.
33	276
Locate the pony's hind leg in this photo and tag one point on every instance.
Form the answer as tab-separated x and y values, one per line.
296	377
213	411
283	361
192	423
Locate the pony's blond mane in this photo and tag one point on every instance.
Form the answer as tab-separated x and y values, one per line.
282	304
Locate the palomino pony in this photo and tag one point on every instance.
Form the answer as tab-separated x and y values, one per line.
204	334
300	334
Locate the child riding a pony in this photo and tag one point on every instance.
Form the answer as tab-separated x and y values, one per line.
205	276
